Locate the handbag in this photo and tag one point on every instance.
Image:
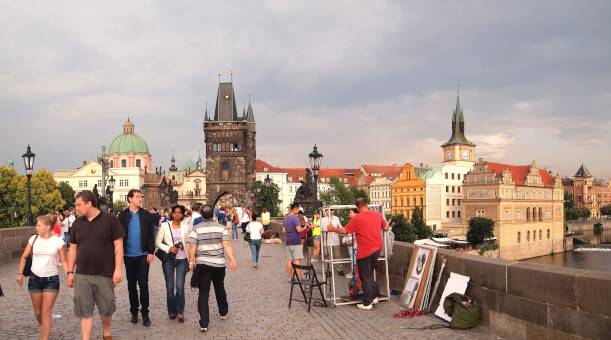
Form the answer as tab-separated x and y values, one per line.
247	236
162	255
27	270
195	278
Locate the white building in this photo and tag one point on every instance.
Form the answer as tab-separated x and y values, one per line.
89	174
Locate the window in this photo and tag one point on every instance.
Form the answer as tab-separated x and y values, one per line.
453	189
446	175
458	188
421	201
458	177
507	215
540	234
99	183
480	213
452	175
450	155
124	163
528	236
453	214
519	236
447	214
447	202
453	202
82	183
138	163
548	234
534	235
447	188
233	147
123	182
458	201
458	214
465	155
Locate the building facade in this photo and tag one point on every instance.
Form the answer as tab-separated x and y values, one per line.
408	191
525	202
230	151
128	150
380	192
588	191
189	182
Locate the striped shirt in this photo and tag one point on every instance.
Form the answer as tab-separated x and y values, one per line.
208	237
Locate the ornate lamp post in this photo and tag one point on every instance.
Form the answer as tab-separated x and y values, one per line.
315	158
268	181
105	166
110	191
28	161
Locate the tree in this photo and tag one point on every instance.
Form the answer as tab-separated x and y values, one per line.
606	210
45	195
67	194
598	229
422	230
584	213
402	229
571	214
9	184
569	201
266	196
480	228
119	206
338	193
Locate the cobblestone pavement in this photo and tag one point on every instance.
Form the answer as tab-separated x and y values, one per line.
258	308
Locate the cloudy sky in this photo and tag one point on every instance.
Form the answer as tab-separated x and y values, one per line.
370	82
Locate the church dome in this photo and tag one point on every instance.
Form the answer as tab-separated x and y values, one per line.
128	142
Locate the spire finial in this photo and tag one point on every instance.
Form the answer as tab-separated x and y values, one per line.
231	75
458	89
219	77
249	95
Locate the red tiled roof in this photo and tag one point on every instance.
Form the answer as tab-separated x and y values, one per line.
294	174
519	173
390	171
262	165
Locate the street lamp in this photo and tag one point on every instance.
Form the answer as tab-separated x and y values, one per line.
28	161
268	181
315	158
110	191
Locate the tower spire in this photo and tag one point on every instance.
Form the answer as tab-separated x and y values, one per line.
458	123
173	162
250	116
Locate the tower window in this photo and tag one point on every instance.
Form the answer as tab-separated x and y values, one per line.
138	163
124	163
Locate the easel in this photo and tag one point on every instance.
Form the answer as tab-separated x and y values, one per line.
331	262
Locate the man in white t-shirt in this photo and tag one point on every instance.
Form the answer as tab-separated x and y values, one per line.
66	225
333	244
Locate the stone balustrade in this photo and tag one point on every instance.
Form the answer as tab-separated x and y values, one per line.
13	241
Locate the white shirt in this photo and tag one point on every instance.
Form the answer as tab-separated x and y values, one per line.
332	238
245	217
45	258
67	223
254	228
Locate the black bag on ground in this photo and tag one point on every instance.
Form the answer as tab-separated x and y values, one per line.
27	270
463	310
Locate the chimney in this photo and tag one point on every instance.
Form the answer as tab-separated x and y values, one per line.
84	162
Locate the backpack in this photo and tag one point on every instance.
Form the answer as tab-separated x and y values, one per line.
463	310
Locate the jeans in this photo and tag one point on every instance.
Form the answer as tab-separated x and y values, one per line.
216	275
234	231
367	267
137	271
255	247
174	272
67	238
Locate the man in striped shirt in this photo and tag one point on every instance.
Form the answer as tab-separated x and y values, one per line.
208	244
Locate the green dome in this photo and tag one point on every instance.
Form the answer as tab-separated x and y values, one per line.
128	142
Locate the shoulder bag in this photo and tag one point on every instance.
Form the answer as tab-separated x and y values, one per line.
162	255
27	270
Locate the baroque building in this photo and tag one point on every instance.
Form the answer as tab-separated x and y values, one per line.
230	151
408	191
588	191
525	202
129	150
189	181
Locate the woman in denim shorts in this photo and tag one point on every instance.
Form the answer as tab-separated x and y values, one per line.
47	251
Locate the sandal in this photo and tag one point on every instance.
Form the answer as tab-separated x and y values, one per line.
181	318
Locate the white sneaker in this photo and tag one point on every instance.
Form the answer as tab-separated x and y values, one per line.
313	261
224	317
349	275
375	301
202	329
362	306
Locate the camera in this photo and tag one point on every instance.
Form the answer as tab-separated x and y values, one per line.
179	245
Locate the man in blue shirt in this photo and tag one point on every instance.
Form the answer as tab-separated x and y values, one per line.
294	250
139	246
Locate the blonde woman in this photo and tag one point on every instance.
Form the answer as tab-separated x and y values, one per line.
47	251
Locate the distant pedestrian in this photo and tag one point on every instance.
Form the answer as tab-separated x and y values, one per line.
221	216
139	249
256	230
235	222
96	247
245	219
367	225
172	239
47	251
294	250
208	244
265	219
155	221
316	236
196	217
69	219
333	245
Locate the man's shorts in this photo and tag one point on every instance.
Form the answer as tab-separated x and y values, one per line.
91	290
294	252
43	284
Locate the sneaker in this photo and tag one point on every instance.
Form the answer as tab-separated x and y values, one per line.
203	329
255	266
375	301
224	317
314	260
134	318
349	275
362	306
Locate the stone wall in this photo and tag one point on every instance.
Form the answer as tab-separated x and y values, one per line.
13	241
524	300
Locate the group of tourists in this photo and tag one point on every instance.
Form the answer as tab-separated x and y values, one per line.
100	243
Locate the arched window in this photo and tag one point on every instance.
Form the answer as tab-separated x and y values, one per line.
548	234
527	214
534	235
519	236
124	163
528	236
540	214
534	215
138	163
540	234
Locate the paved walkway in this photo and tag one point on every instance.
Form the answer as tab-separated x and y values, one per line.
258	308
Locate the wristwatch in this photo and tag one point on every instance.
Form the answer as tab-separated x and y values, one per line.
68	273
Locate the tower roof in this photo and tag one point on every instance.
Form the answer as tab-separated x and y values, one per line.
250	116
128	142
583	172
225	109
458	127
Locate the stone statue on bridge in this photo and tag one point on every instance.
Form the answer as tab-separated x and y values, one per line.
306	194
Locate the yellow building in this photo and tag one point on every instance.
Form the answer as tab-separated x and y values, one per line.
525	202
408	191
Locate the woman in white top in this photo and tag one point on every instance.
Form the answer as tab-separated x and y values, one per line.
256	230
245	219
47	251
172	239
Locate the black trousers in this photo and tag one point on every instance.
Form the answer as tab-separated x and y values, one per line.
216	275
367	267
137	271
